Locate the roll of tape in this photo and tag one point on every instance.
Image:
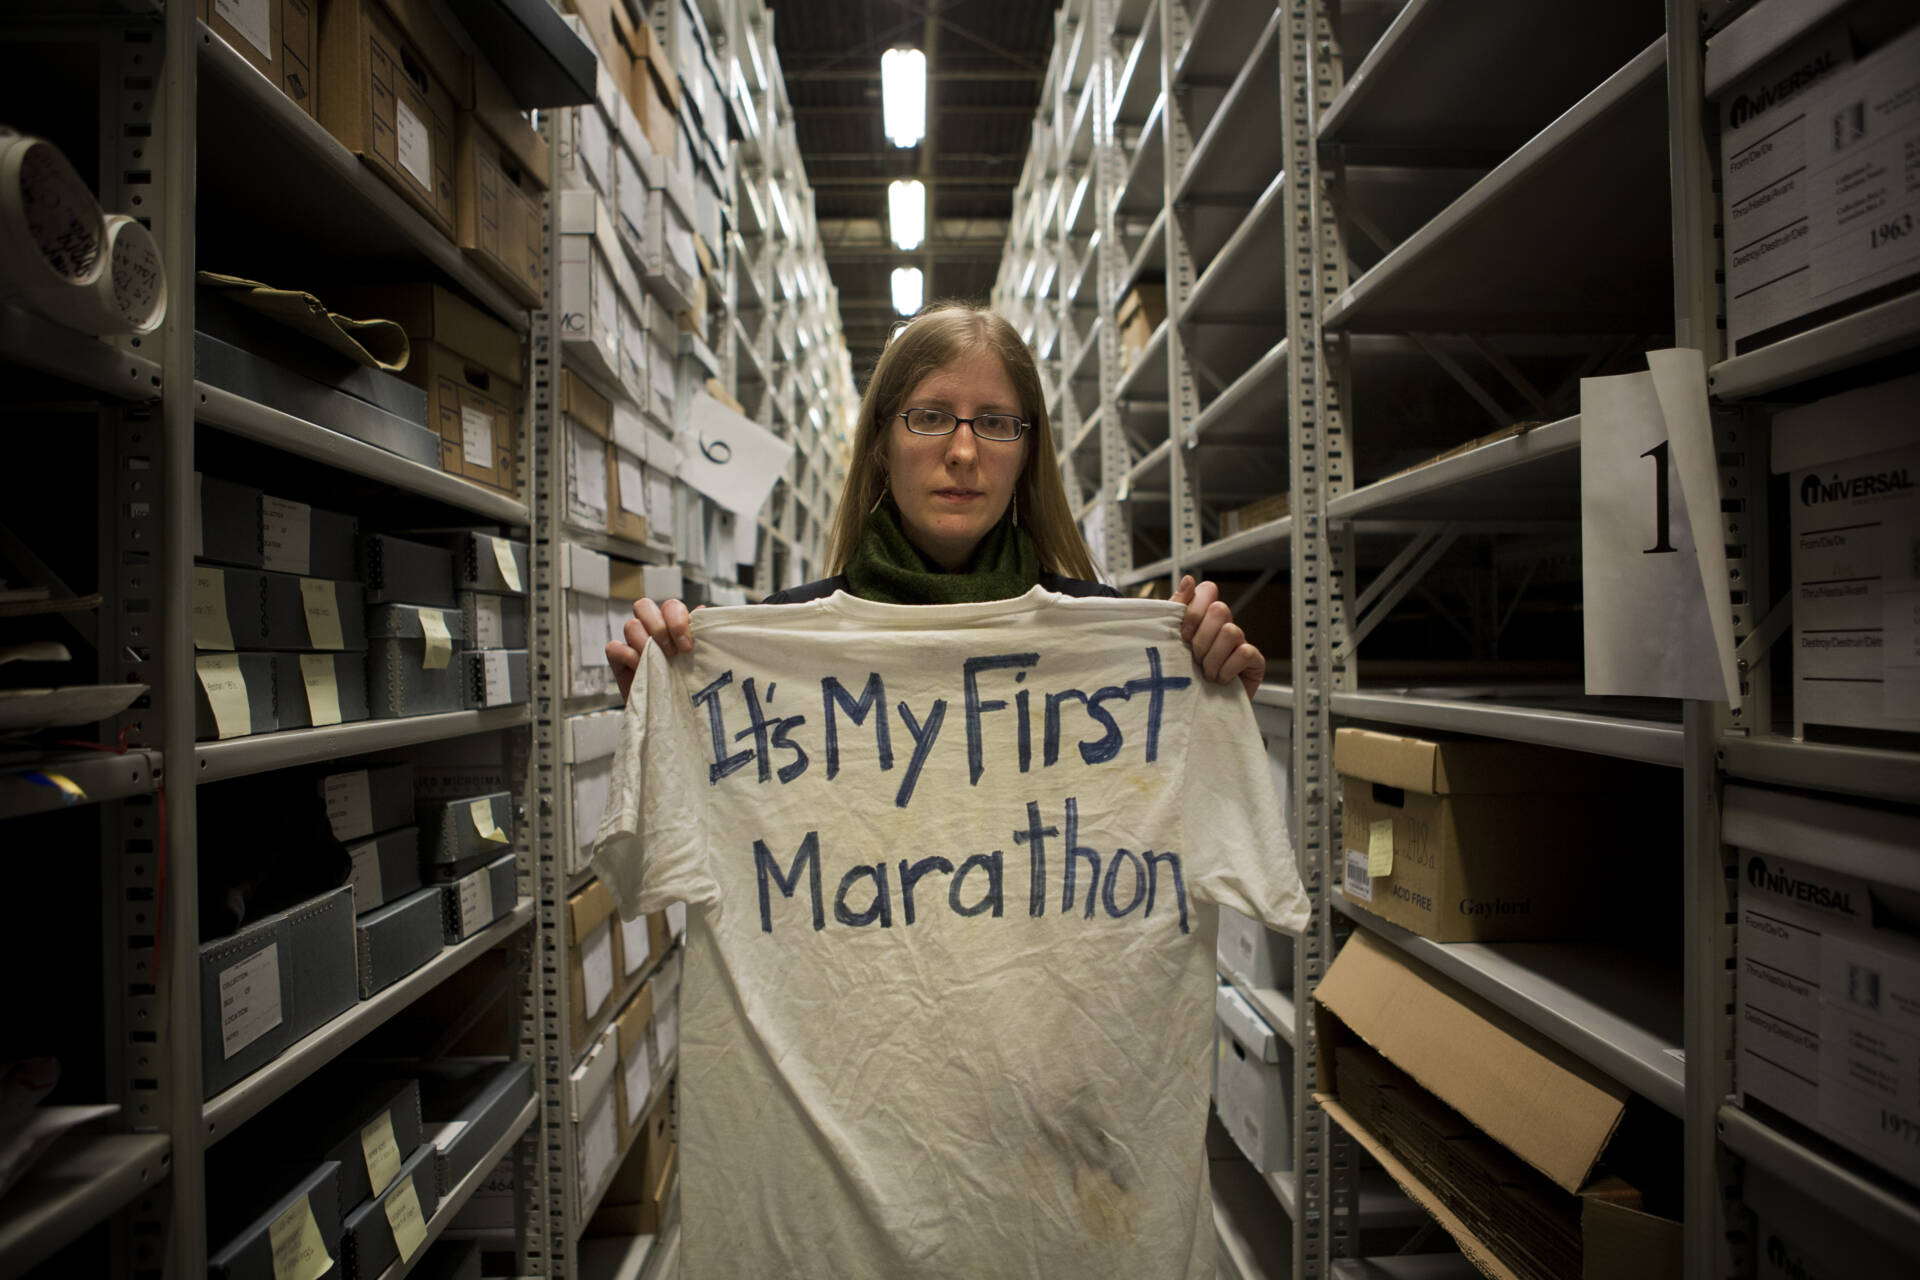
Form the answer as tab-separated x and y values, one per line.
52	234
134	287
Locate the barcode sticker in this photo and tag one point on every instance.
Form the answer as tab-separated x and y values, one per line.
1357	882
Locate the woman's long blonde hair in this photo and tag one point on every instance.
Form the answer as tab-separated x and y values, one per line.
942	332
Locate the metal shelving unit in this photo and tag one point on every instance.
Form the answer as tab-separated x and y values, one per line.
74	1187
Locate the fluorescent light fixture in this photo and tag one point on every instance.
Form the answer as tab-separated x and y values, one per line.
909	290
907	212
903	95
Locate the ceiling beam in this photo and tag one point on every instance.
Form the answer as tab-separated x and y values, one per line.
945	181
944	250
840	111
801	76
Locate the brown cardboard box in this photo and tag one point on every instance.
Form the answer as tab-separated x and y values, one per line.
500	170
1140	313
653	88
1254	513
622	523
380	97
1489	841
419	23
1494	1129
644	1180
632	1037
604	29
291	36
593	938
471	367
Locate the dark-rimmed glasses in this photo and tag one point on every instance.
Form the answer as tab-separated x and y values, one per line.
1002	427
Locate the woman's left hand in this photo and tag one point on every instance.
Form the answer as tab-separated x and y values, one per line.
1218	644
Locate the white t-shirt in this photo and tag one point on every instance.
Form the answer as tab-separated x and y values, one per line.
948	1000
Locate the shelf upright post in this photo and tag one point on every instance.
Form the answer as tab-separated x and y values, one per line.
1055	237
1183	401
548	1234
1310	75
1109	171
1711	1192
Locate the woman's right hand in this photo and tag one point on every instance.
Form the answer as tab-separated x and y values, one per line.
666	624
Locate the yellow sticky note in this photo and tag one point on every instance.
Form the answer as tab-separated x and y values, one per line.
226	688
381	1150
503	556
323	688
210	627
482	811
433	625
403	1215
322	604
298	1251
1380	848
73	791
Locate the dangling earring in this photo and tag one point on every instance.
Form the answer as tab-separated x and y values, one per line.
878	499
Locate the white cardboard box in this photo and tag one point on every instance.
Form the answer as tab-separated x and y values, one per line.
594	1115
1254	953
586	579
1253	1078
1797	1237
595	281
587	752
1853	464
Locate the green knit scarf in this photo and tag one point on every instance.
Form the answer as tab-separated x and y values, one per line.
889	568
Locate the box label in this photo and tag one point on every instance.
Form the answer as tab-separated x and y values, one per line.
210	627
413	144
476	902
225	685
639	1080
349	805
596	969
635	942
253	20
323	689
598	1150
489	622
476	437
481	812
381	1151
633	486
404	1216
438	644
588	470
321	603
286	536
504	561
298	1251
249	999
666	1030
498	688
1380	847
368	892
1358	881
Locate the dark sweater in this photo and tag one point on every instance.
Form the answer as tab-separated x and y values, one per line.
825	587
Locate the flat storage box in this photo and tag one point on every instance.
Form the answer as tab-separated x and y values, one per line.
398	571
588	427
243	1024
1818	218
362	801
279	37
309	541
588	587
486	562
495	677
357	1123
234	695
593	951
632	1034
478	898
494	621
229	608
397	939
314	614
368	1243
595	279
1141	311
382	97
410	666
1254	953
229	528
458	830
587	749
1253	1082
594	1112
250	1255
317	974
1491	841
500	173
386	867
1488	1125
469	1104
1853	487
257	378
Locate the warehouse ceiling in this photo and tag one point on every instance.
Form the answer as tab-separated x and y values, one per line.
985	62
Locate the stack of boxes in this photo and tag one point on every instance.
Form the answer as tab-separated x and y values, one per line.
278	614
467	855
446	623
490	576
397	922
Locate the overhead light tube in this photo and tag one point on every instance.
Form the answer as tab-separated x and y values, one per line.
907	212
903	95
909	290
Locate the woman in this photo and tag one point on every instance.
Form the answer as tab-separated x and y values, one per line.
954	495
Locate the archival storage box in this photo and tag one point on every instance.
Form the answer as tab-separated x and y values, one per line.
1255	954
494	621
478	898
317	974
312	615
594	1113
500	175
468	1104
385	867
248	1253
257	378
495	677
228	532
459	829
593	950
1526	1154
302	678
259	698
363	801
278	37
410	666
644	1180
1253	1089
326	1120
587	749
396	939
243	1025
400	571
632	1033
1490	841
367	1238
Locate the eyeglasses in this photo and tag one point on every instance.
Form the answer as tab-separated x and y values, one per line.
986	426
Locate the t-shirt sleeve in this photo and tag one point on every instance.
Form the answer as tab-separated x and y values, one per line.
651	849
1236	835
